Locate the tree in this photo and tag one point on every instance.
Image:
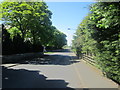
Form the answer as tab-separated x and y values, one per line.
99	33
7	46
31	18
58	38
30	26
83	41
107	34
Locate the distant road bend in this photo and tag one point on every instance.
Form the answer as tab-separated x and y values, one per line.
60	69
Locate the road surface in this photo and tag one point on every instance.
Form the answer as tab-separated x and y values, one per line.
55	70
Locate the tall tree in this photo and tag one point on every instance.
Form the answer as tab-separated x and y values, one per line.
58	38
105	15
29	23
31	18
99	33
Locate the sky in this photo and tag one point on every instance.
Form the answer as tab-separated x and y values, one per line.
68	15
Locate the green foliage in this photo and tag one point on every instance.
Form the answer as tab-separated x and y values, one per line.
58	39
83	41
31	20
99	33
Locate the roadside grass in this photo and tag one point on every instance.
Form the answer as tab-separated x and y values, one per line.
48	52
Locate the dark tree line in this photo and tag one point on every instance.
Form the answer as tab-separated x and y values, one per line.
17	44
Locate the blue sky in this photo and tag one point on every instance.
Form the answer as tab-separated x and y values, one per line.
68	15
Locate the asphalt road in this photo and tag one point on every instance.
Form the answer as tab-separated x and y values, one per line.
55	70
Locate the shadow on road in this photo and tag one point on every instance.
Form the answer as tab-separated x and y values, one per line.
61	58
60	50
21	78
53	60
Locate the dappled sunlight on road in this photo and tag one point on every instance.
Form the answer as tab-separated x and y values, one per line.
64	57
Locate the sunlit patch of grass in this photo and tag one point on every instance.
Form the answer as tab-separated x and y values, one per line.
48	52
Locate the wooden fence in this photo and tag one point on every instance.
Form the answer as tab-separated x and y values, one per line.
89	58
